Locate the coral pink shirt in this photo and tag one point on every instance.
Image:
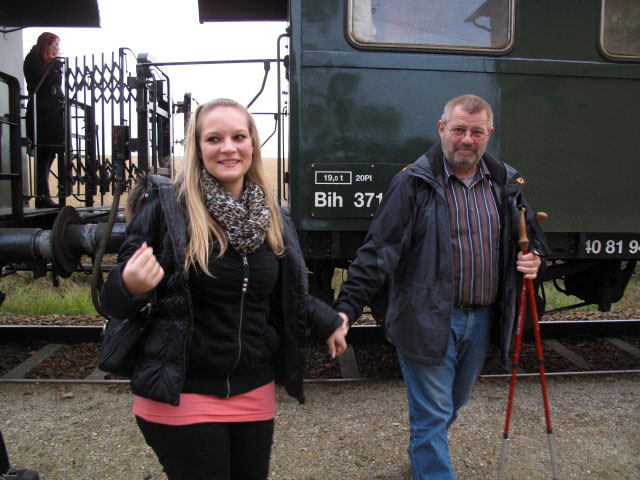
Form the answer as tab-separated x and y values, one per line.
257	405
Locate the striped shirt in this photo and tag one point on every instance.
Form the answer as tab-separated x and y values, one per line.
475	236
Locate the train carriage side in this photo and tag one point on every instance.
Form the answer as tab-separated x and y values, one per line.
369	79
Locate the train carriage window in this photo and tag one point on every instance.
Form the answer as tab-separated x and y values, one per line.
620	29
458	25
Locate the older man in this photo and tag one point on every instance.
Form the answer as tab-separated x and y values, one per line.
443	238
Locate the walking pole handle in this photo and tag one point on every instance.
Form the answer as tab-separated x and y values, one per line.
523	240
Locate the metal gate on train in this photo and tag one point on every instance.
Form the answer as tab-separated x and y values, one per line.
107	105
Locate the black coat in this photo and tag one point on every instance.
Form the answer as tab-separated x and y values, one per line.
50	99
409	244
161	366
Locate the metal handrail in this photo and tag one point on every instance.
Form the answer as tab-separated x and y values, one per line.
15	162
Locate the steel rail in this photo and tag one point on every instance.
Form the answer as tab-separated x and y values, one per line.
581	373
51	333
558	329
548	329
75	381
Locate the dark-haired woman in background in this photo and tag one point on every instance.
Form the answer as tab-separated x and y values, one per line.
43	67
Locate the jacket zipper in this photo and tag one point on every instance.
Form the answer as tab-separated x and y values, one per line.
245	285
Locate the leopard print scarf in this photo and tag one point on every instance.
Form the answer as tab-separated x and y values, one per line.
246	221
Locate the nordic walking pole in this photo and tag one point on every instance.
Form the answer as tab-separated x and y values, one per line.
514	368
540	358
527	288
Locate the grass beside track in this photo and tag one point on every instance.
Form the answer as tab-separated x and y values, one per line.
629	301
26	296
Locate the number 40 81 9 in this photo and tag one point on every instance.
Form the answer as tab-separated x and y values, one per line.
611	247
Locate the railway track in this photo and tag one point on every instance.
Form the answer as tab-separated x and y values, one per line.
68	354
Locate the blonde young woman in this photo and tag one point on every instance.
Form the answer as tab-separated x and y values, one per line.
217	268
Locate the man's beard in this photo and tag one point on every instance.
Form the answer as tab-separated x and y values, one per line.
464	159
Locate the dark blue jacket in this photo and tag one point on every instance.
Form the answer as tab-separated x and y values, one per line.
409	244
162	362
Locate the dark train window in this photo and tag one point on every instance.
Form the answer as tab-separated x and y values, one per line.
620	29
467	25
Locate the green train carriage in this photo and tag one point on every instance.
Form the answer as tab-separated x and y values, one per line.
369	80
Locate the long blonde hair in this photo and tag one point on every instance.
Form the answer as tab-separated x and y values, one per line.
203	229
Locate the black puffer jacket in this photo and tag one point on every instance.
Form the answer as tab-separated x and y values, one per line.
162	363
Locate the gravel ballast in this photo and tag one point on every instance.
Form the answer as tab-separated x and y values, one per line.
344	431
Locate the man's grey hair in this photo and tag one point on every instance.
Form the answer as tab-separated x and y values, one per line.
471	104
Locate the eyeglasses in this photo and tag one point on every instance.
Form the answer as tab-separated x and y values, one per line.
460	132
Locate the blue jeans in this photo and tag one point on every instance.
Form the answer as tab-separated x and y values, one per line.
436	393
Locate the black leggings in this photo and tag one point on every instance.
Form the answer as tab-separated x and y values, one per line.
211	451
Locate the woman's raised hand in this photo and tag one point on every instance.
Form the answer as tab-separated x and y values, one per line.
142	271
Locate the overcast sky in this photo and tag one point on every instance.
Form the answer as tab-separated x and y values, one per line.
169	30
